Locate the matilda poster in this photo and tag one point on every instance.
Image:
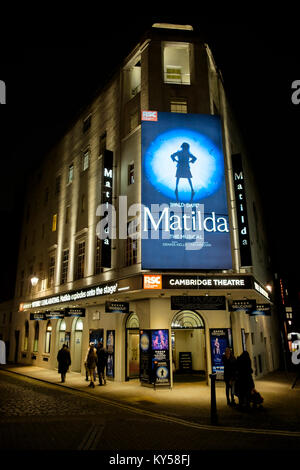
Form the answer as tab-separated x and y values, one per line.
184	203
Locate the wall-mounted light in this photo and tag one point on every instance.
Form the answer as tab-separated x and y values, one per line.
34	280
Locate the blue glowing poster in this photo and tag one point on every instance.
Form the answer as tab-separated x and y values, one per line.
184	204
219	341
160	340
154	357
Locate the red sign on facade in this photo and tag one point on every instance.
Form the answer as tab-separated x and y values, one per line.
152	281
149	116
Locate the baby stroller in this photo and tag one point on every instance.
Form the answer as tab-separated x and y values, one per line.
256	399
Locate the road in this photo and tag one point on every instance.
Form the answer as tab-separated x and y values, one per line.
38	416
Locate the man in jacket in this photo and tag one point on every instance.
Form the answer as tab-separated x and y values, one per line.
102	360
64	361
229	362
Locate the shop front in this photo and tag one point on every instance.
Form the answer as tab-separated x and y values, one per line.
198	316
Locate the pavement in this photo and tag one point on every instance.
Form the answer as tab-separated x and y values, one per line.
190	403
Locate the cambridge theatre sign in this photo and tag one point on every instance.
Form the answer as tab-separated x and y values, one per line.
151	281
167	281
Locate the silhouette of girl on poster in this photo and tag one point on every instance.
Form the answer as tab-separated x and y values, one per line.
183	158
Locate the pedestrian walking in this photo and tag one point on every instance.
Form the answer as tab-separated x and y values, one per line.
91	364
102	362
64	361
86	371
229	362
245	383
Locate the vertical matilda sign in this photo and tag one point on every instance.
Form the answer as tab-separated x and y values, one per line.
106	199
241	210
184	217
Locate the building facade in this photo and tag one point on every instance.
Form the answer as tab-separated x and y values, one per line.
86	273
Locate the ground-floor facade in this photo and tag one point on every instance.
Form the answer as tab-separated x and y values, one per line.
196	315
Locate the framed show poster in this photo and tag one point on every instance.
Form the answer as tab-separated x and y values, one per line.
110	348
154	357
160	357
220	339
145	356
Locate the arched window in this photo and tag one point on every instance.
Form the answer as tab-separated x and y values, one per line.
187	319
133	321
36	336
48	337
62	326
79	325
26	336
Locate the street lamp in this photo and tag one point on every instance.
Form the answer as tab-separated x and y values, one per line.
34	280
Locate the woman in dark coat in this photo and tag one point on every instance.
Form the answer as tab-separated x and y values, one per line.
64	361
229	362
102	360
245	381
91	363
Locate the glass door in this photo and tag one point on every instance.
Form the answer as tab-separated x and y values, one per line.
133	353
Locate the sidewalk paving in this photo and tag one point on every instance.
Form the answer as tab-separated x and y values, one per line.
190	401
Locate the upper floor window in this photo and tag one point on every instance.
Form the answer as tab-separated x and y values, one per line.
178	106
131	173
67	219
132	80
65	265
131	247
71	173
80	260
85	160
176	58
87	123
51	270
134	120
54	222
102	143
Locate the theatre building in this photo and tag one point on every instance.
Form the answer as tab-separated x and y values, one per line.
143	228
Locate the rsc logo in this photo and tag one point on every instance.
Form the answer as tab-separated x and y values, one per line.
2	92
296	94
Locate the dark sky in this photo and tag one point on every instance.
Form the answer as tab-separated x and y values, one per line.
50	77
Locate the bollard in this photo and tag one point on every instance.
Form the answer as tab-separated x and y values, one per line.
213	403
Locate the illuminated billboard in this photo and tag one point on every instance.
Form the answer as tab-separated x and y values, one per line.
184	222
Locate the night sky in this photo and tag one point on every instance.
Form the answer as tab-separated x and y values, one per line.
49	79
